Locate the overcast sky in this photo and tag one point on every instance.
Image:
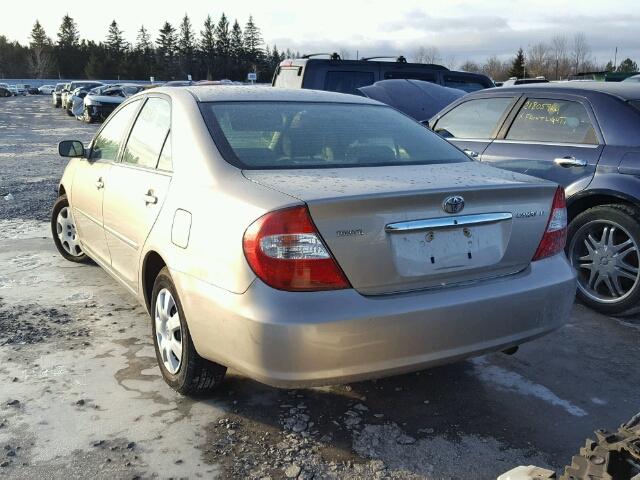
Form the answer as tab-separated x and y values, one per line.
462	30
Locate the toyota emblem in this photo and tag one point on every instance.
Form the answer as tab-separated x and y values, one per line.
453	204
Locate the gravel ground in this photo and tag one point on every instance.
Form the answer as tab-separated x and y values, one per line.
81	395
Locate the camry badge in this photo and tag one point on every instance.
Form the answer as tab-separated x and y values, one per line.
453	204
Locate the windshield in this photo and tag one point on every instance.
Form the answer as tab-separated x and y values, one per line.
271	135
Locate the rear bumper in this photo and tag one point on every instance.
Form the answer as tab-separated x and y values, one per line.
318	338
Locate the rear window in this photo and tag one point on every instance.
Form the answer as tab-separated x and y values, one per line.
347	82
272	135
465	83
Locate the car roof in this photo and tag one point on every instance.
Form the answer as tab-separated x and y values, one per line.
624	91
231	93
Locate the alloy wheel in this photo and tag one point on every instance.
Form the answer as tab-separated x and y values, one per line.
606	259
168	331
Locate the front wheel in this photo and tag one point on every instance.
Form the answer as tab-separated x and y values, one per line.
182	368
603	247
86	116
65	235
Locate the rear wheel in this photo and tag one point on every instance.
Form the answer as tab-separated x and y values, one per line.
603	246
182	368
63	229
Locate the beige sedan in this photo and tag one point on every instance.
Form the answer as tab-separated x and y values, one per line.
309	238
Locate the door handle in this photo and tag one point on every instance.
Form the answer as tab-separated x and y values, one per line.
570	161
150	198
99	183
471	153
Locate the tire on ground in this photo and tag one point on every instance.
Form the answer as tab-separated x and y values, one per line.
196	375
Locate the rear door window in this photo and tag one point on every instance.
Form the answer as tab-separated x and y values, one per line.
475	119
347	81
148	134
289	77
556	121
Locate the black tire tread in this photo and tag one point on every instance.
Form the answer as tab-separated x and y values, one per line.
62	200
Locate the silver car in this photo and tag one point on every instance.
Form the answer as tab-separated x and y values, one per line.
309	238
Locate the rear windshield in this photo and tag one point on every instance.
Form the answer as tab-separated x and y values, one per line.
272	135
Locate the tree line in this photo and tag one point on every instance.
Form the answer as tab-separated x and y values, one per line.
555	59
220	50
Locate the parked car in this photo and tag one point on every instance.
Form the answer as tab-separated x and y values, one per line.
56	95
76	100
5	92
100	102
22	89
523	81
309	238
586	137
14	90
46	89
347	76
632	79
420	100
31	90
67	92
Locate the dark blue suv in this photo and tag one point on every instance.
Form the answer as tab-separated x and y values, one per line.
586	137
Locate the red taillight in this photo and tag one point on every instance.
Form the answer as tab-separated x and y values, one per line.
285	251
555	235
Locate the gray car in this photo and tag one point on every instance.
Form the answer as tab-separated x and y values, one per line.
585	136
309	238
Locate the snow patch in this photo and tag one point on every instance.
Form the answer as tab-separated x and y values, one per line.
516	383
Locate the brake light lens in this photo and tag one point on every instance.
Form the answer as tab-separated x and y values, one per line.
555	235
285	250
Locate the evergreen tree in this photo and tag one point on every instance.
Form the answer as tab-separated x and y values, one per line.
68	36
141	60
115	39
39	36
628	65
186	46
253	41
223	41
517	68
609	66
166	50
236	42
143	40
208	46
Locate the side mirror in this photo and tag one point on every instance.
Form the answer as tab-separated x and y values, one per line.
71	148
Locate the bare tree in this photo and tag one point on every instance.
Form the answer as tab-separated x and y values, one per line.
427	55
450	62
40	61
344	54
495	68
538	60
559	58
470	66
580	51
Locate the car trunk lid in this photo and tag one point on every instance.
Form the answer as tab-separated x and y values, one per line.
389	232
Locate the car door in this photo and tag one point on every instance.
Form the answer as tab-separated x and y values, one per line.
555	137
137	188
474	123
91	180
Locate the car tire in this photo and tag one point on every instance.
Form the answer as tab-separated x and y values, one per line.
603	245
190	374
64	233
86	116
69	112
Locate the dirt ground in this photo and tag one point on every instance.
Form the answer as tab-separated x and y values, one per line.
81	396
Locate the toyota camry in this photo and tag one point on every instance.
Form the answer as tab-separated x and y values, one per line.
309	238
